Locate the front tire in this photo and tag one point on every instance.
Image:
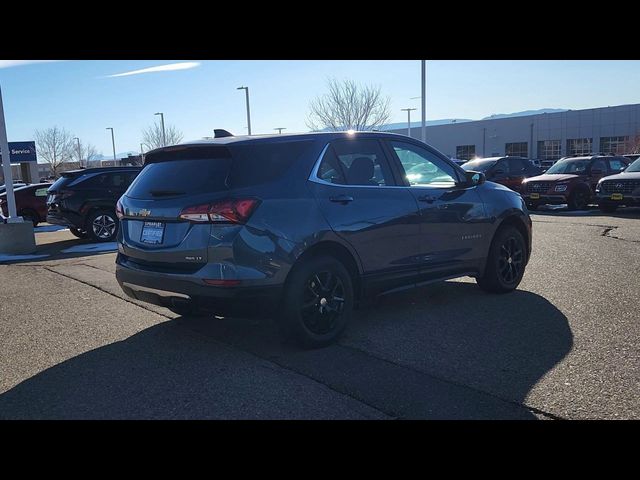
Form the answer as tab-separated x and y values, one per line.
102	226
30	215
317	303
78	233
505	265
579	199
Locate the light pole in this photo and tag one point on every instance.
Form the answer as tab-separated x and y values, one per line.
113	143
6	167
424	100
246	91
408	110
164	135
79	152
280	129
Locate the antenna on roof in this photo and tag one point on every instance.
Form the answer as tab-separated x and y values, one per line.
220	133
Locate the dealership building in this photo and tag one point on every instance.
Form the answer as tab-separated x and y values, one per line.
545	136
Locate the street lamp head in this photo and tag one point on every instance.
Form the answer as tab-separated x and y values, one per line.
158	113
242	88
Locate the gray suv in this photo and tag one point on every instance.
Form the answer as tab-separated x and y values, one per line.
304	227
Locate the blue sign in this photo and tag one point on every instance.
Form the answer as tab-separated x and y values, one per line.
22	152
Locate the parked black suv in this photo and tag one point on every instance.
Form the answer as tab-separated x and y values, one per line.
85	200
307	225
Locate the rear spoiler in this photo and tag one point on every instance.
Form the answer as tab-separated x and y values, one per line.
187	152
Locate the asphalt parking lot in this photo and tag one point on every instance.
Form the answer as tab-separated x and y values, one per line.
565	345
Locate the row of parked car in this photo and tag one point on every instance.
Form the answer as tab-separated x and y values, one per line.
611	181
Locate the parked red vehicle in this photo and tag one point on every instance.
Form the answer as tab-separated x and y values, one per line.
31	202
571	180
507	171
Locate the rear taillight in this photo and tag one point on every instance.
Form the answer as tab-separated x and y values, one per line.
237	210
119	210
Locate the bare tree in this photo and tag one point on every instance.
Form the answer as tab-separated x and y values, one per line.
633	146
152	136
55	146
349	106
88	154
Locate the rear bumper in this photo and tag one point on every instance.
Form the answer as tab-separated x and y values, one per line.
166	290
65	221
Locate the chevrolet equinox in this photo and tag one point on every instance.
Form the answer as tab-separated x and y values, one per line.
304	227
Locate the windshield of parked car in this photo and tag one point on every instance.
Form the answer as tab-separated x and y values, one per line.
576	167
634	167
479	165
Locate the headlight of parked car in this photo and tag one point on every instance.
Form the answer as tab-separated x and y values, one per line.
561	187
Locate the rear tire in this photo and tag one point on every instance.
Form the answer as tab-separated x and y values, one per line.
579	199
102	226
317	303
506	263
31	216
608	208
78	233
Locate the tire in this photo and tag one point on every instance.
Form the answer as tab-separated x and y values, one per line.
30	215
608	208
78	233
579	199
506	263
102	226
317	302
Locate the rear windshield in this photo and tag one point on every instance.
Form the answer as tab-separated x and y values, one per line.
59	183
240	166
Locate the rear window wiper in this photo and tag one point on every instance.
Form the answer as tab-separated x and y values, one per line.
166	193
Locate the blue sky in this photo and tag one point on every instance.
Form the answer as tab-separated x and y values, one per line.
82	97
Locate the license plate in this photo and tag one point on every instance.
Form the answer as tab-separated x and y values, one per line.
152	233
617	196
535	196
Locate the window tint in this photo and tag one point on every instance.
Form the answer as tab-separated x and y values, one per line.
255	164
423	167
355	162
616	165
599	165
517	166
237	166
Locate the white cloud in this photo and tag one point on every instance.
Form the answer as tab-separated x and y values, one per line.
160	68
19	63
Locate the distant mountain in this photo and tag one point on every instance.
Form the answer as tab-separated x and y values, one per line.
525	113
418	123
118	155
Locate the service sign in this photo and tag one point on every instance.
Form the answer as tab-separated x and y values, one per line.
22	152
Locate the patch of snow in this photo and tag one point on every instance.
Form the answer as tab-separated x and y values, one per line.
5	257
92	247
49	228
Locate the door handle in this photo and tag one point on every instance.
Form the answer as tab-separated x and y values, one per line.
427	198
344	199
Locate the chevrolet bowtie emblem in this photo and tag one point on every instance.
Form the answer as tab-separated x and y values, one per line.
144	213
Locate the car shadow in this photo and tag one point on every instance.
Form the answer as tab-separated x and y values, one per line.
444	351
591	211
60	250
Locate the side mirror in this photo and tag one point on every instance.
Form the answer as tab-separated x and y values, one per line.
473	179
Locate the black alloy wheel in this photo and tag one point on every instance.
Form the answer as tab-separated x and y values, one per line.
511	260
323	302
